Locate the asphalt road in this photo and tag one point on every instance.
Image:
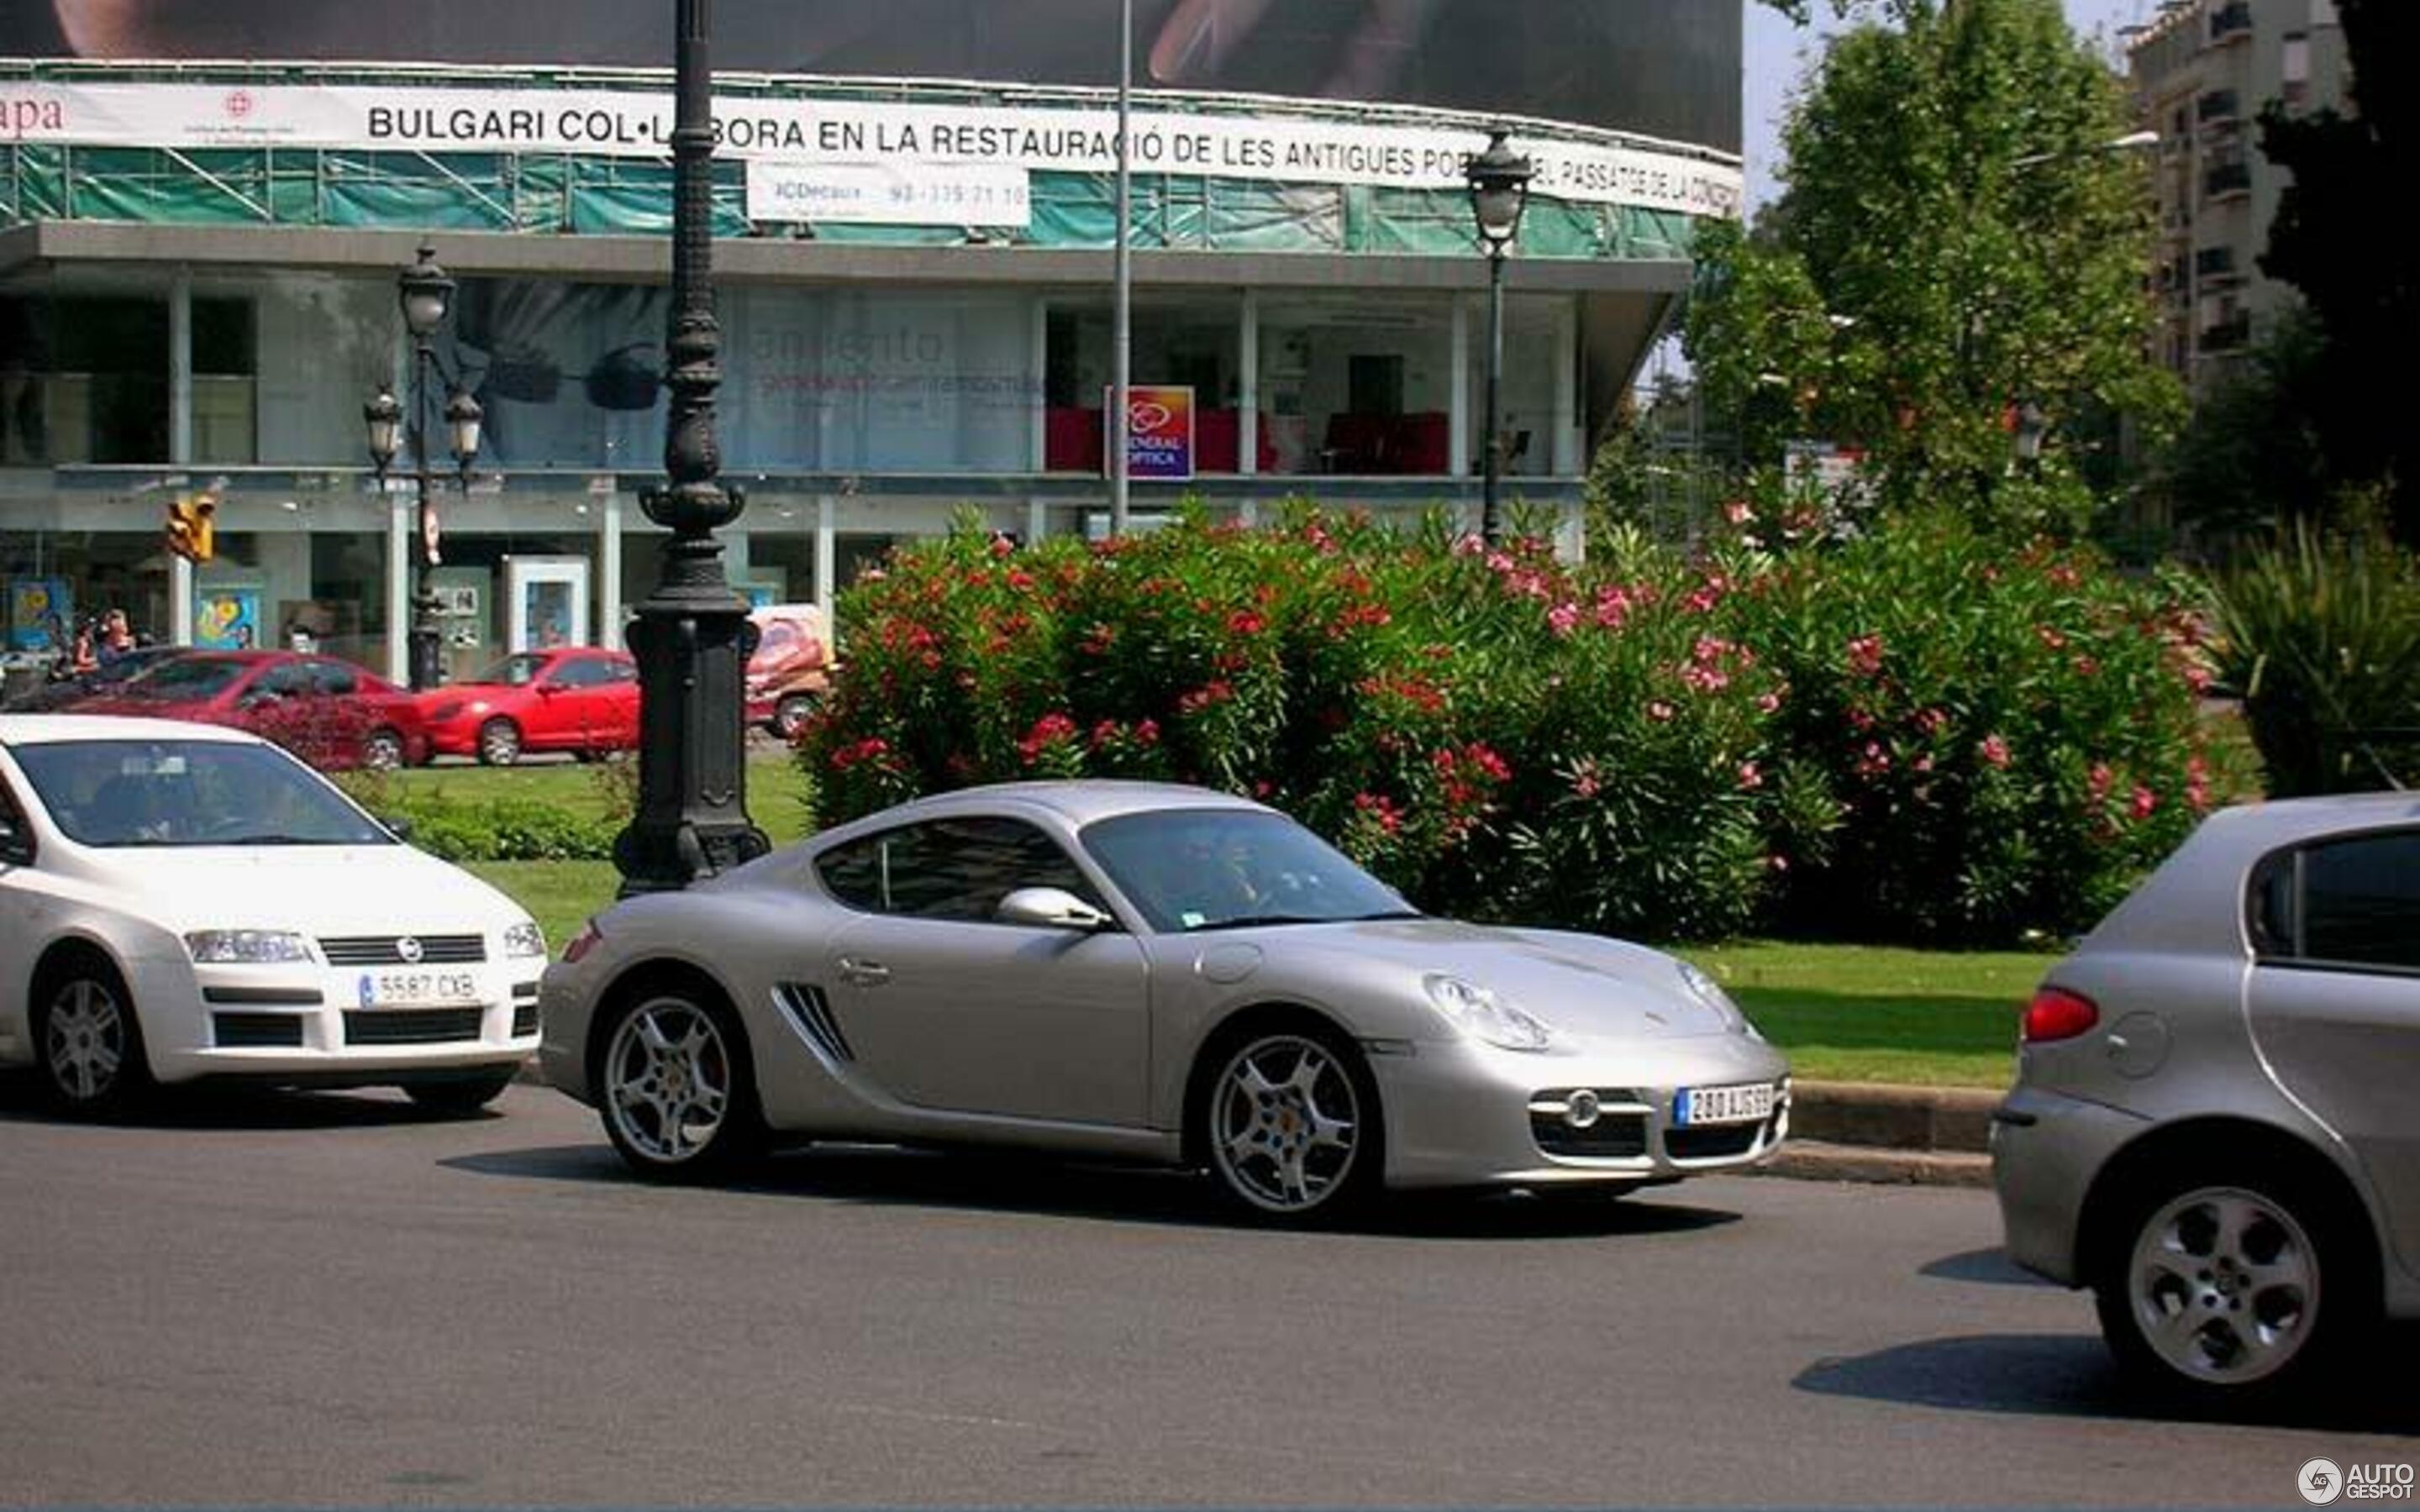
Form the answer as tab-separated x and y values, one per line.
337	1300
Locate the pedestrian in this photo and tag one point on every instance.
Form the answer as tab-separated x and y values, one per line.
116	638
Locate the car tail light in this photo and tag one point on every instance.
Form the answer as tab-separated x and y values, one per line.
2057	1013
580	944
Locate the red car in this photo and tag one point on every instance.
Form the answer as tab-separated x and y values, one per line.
581	698
325	710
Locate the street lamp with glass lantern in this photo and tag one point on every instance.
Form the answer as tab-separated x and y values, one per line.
425	296
1498	180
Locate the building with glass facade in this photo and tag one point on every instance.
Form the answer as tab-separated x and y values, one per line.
914	204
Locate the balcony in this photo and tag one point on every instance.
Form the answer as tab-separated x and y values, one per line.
2218	105
2214	263
2224	178
2230	23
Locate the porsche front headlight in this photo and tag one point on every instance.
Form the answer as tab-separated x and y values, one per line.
1710	991
1484	1015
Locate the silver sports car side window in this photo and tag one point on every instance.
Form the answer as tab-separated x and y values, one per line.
952	868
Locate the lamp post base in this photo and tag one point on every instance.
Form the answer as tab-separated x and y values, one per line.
692	639
426	653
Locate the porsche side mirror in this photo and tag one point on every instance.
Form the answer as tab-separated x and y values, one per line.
1050	908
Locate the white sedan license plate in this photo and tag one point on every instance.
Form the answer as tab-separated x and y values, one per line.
1697	1105
417	989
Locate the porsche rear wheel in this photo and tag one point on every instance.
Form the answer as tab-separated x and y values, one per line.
1291	1125
674	1086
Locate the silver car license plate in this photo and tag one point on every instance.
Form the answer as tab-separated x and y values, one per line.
1750	1102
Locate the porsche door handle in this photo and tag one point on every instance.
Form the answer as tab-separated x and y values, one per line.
862	973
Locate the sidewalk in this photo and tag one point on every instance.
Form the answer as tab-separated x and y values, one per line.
1893	1135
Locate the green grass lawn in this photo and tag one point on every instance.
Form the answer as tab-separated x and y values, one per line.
1882	1013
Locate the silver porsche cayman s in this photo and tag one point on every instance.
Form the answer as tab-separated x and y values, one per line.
1137	971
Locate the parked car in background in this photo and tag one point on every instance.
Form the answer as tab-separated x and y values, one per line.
1145	972
327	710
792	667
182	902
2215	1124
584	699
59	692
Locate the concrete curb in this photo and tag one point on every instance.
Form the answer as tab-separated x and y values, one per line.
1809	1160
1872	1114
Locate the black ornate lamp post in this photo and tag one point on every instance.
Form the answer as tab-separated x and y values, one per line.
692	636
1500	191
427	296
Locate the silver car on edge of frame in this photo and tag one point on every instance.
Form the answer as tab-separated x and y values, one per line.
1145	972
2216	1118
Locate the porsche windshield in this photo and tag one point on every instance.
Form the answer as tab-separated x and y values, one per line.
1202	869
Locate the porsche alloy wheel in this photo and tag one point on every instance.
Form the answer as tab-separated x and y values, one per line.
1293	1125
673	1087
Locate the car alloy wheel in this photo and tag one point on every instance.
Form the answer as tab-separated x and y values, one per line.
91	1046
1286	1124
791	713
382	751
500	743
672	1089
2221	1290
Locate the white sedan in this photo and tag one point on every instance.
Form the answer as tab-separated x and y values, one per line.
179	901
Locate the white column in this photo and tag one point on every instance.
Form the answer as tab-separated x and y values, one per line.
400	543
1038	375
1571	531
609	570
826	531
1457	401
180	441
1248	393
1037	520
1567	462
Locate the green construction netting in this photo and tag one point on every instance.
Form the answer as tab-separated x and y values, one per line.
560	194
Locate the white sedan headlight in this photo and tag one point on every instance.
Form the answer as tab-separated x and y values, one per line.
245	946
1710	991
524	939
1485	1016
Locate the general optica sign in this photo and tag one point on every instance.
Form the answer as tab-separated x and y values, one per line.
1160	431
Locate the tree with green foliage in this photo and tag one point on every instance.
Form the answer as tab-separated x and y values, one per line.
2253	457
1959	252
2332	240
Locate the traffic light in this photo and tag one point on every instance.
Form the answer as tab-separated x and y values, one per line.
191	532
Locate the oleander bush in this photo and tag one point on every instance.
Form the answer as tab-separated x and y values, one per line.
1966	745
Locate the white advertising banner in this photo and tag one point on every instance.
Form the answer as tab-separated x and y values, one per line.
889	194
439	118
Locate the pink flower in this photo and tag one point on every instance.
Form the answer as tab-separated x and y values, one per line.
1243	622
1485	759
1146	732
1778	863
1750	777
1563	618
2050	637
2144	802
1996	751
1047	731
1873	760
1866	655
1381	808
1739	512
1768	702
1584	782
1001	546
1659	711
1930	721
2100	780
